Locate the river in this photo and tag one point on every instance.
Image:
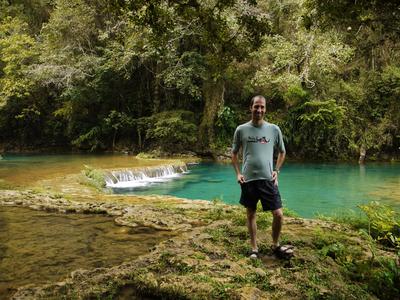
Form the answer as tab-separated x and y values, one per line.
307	188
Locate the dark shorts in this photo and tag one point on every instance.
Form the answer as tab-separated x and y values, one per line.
264	190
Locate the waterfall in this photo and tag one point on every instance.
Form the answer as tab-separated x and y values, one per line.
143	177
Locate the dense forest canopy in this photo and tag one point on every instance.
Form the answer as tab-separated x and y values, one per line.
178	75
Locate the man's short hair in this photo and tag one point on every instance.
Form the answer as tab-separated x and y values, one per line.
257	97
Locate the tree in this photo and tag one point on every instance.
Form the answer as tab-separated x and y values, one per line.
193	43
298	65
17	51
67	64
371	28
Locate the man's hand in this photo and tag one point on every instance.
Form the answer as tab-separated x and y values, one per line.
240	178
275	177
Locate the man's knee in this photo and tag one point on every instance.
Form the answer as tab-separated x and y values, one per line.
277	214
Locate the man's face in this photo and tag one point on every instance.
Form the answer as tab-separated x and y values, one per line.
258	109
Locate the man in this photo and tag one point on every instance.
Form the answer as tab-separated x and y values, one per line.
258	181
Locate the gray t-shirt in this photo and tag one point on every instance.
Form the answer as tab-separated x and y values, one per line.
258	149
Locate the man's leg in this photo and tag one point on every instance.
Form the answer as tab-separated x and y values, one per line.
276	226
252	227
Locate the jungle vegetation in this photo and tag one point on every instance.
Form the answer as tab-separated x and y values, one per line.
177	76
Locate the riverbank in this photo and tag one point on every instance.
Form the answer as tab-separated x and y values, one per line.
207	259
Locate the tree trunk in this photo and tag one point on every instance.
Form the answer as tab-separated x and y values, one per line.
139	139
113	142
363	152
213	93
156	89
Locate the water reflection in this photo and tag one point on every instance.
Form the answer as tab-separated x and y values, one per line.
362	170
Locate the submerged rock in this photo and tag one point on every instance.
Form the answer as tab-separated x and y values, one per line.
132	215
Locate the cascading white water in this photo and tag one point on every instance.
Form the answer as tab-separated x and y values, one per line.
143	177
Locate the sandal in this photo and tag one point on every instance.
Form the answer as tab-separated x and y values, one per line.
283	252
254	254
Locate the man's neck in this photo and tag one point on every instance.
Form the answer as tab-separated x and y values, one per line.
257	123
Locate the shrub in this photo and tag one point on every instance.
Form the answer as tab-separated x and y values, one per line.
91	140
383	222
94	177
172	131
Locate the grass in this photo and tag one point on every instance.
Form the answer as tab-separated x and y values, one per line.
349	217
325	249
94	178
328	249
232	238
260	281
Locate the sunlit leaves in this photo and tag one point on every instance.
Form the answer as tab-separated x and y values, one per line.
325	113
17	50
302	57
384	222
71	26
68	47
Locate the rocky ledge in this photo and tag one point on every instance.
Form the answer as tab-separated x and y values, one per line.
145	211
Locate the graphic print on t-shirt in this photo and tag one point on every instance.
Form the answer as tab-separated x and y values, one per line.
256	139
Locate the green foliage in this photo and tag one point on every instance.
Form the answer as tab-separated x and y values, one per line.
264	220
335	250
383	109
71	27
234	239
191	70
319	128
381	275
116	121
321	239
382	278
217	210
156	153
355	219
262	282
168	262
295	94
290	213
384	223
93	74
91	140
300	57
225	124
17	51
385	281
28	115
172	131
94	177
327	113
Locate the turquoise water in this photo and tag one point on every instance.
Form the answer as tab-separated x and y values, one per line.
306	188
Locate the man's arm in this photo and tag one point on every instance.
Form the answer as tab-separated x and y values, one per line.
279	162
235	164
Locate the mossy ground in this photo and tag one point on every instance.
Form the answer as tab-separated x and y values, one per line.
208	257
210	261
